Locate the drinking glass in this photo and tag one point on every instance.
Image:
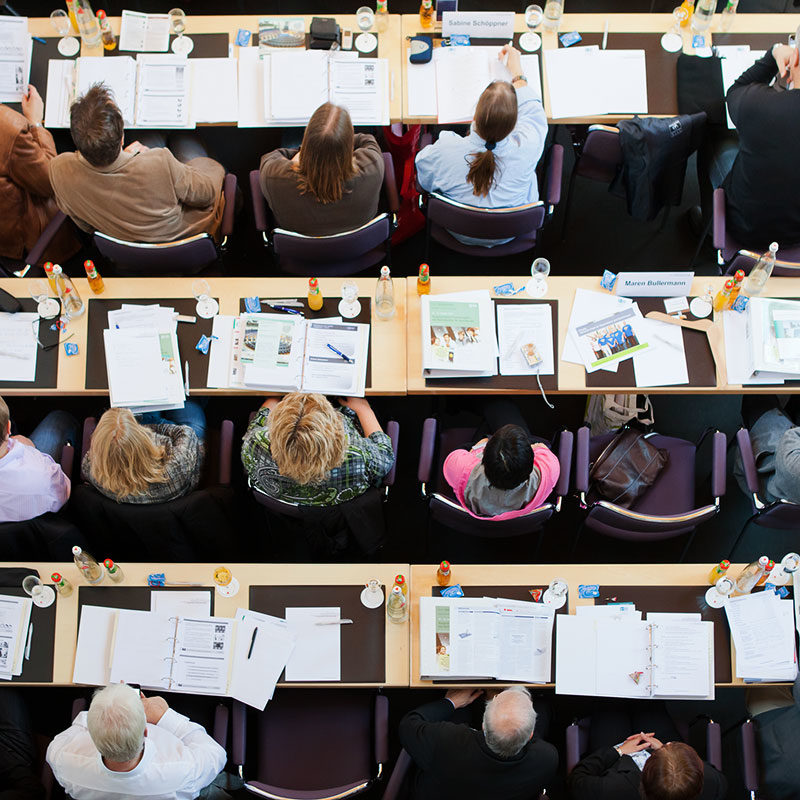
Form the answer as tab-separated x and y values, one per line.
783	572
672	41
226	584
207	306
42	596
556	593
365	19
47	307
719	593
349	305
537	285
183	45
531	41
67	45
372	594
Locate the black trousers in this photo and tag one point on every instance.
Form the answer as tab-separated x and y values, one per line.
615	721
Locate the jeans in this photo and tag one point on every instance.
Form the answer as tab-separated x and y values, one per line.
192	414
54	431
184	146
714	161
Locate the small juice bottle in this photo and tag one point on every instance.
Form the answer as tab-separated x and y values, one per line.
315	298
738	277
51	278
63	586
71	11
400	580
718	571
426	14
443	574
722	296
106	33
93	276
114	570
767	573
424	279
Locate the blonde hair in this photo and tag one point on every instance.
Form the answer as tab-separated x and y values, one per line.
306	437
125	458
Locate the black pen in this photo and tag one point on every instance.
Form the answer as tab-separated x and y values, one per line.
339	353
252	642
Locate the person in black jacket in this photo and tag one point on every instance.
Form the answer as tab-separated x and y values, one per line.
17	751
762	204
641	766
504	761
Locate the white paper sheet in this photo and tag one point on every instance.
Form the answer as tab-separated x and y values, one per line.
133	360
610	611
738	357
15	58
143	649
180	603
360	86
586	305
421	88
317	653
18	348
203	650
144	32
522	324
15	614
663	363
215	89
95	640
163	91
118	73
326	372
734	61
289	71
60	88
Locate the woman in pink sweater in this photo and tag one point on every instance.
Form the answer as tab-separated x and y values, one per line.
504	476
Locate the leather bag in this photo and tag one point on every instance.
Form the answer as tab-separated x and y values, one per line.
627	467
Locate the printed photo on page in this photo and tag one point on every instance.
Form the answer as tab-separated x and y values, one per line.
609	339
455	334
442	633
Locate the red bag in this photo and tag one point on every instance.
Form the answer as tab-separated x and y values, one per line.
404	148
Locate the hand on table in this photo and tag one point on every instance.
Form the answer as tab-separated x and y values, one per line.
513	59
33	106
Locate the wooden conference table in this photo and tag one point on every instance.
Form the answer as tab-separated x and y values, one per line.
387	371
571	378
631	32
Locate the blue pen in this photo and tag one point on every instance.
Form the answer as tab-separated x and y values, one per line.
38	39
339	353
287	310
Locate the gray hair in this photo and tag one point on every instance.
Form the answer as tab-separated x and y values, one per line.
117	722
508	721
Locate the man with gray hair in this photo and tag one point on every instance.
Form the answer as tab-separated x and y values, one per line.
504	761
131	746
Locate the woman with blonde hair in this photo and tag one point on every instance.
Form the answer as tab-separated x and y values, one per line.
331	184
302	450
132	462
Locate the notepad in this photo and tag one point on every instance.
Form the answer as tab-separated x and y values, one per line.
317	652
18	347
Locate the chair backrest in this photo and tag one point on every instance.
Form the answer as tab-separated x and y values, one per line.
601	155
49	537
786	267
453	516
485	223
138	259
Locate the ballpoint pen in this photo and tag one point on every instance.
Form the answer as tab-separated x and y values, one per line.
336	622
252	642
286	309
605	35
339	353
186	377
281	301
30	641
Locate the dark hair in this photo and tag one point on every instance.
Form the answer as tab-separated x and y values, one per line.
673	772
495	118
96	125
326	155
508	457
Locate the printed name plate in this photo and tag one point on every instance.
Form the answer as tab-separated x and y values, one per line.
654	284
479	24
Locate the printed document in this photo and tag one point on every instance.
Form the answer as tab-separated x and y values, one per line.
18	347
118	73
360	86
663	363
144	32
181	604
317	652
163	91
288	72
525	338
324	370
602	340
215	90
15	58
15	615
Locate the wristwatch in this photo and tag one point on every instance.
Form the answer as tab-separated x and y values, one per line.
519	78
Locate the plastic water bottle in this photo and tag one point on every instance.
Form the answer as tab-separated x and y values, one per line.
397	606
703	15
384	295
71	302
759	275
88	565
750	575
728	14
552	14
88	27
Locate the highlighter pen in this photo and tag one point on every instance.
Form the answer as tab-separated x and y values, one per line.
339	353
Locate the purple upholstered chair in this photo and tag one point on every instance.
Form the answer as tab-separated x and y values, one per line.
313	745
730	252
36	253
780	515
749	758
443	507
668	508
523	222
343	253
598	158
578	741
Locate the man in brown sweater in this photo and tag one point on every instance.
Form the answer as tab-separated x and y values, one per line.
138	194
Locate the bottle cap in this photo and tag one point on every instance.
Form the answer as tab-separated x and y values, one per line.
76	551
399	580
738	276
773	248
424	271
396	590
109	564
56	578
313	283
770	565
724	564
89	264
729	284
763	561
384	272
445	566
100	13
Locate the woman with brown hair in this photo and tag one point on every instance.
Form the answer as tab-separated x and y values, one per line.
331	184
494	166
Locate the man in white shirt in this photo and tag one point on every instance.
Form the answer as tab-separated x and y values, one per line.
127	746
31	482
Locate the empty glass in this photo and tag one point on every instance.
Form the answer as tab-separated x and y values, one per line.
67	45
349	305
537	285
556	593
47	307
719	593
207	306
372	594
365	19
183	45
783	572
42	596
531	41
672	41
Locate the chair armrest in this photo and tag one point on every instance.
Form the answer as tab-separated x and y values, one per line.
390	183
565	441
45	237
748	460
401	769
67	460
229	192
718	230
381	729
582	460
225	452
555	170
221	725
393	432
78	705
749	756
89	424
573	754
427	449
714	745
259	202
718	463
239	733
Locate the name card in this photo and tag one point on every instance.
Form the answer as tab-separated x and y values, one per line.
654	284
479	24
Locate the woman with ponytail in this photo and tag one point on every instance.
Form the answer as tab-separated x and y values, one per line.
494	165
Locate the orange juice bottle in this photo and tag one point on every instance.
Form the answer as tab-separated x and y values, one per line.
315	298
443	573
93	276
51	278
424	279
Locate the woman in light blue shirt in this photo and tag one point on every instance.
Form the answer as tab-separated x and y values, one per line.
494	166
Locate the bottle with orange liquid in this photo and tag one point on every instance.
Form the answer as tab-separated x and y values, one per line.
426	15
424	279
93	276
443	574
315	298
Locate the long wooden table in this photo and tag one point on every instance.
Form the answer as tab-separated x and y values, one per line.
631	31
387	337
572	378
302	575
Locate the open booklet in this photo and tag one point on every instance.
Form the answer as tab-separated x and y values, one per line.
15	630
464	637
289	353
15	58
668	656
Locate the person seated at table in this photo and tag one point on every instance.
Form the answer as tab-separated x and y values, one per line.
31	482
506	759
26	196
505	475
494	166
152	458
127	745
138	193
18	751
331	184
302	450
639	766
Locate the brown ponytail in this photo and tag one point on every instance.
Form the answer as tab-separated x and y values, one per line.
495	118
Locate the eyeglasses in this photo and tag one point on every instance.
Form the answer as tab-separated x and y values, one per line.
42	346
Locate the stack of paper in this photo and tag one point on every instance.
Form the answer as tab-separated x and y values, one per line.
317	652
18	348
15	633
15	58
215	90
485	638
762	627
525	338
163	91
142	358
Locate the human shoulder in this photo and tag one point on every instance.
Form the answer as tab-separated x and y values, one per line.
11	122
